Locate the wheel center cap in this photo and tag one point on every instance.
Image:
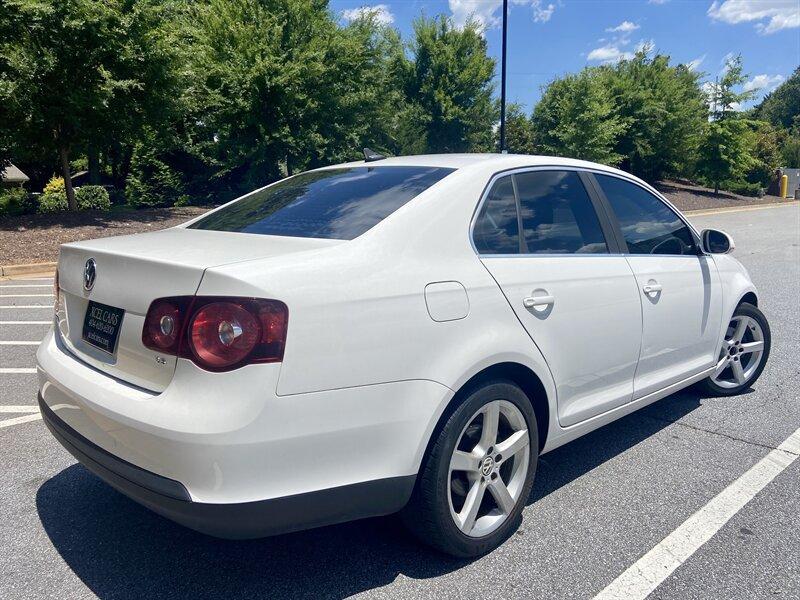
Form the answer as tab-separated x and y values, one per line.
487	465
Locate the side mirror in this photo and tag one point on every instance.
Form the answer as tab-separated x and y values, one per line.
717	242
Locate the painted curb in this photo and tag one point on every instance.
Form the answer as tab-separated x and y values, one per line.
10	270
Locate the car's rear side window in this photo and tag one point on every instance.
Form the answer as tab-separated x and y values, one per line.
496	228
334	203
558	216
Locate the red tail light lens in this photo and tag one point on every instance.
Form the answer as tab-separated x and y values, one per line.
217	333
164	323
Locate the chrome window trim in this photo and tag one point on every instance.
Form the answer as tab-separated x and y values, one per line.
646	187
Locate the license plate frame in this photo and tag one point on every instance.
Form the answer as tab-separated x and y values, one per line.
101	326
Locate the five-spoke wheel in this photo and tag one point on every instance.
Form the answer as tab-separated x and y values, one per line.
491	455
743	352
478	473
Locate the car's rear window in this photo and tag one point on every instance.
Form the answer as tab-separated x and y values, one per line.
335	203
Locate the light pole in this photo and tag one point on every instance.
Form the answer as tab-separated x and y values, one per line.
503	81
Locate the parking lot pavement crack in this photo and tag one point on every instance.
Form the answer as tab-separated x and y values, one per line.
725	435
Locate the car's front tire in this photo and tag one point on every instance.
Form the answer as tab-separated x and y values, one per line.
477	476
743	353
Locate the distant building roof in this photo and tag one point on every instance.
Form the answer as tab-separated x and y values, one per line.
12	174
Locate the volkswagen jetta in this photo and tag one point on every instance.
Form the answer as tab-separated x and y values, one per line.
404	334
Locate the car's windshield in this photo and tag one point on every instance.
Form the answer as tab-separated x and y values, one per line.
335	203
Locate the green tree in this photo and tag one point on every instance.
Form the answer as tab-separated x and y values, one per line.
519	131
790	152
726	145
782	106
76	70
448	86
724	151
662	110
724	100
575	118
277	86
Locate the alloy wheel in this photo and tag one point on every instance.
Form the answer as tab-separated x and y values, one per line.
492	455
741	353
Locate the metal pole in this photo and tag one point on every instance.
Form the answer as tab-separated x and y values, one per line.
503	81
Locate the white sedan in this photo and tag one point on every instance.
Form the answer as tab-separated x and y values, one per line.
404	334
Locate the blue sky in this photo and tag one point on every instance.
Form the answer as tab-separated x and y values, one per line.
547	38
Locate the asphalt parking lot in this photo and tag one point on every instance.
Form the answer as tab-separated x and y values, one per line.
598	505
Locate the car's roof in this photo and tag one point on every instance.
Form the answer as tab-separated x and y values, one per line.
496	161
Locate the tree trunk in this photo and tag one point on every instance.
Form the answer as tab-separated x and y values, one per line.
63	154
716	188
93	154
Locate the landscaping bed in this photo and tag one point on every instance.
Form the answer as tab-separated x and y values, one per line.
36	238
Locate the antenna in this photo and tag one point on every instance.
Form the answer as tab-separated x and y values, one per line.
372	156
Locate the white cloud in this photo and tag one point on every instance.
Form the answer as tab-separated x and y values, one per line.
763	82
657	1
618	49
610	53
624	27
771	15
381	13
488	15
693	65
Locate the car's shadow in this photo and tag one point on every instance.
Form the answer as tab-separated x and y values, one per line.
121	550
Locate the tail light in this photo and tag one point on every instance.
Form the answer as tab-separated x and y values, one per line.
217	333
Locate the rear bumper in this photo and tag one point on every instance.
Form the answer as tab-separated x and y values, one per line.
170	498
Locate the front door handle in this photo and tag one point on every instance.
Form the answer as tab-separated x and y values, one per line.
651	287
533	301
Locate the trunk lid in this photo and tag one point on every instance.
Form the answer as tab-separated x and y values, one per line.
132	271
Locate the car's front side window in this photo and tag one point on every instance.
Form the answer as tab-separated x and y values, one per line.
558	216
648	225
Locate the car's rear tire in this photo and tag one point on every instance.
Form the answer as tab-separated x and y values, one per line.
743	354
469	495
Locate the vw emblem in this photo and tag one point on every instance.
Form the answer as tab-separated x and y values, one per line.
89	274
487	466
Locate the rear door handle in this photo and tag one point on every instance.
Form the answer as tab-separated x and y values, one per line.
532	301
652	288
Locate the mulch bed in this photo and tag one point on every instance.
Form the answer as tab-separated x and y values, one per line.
687	197
36	238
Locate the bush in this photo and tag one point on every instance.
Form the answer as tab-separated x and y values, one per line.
92	197
54	197
15	201
742	187
52	202
55	186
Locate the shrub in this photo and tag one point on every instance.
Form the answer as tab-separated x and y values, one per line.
54	197
15	201
52	202
742	187
92	197
55	186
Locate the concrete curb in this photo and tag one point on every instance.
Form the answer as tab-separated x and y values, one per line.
9	270
724	209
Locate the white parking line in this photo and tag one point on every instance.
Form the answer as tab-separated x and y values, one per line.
16	371
18	420
25	343
26	322
647	573
26	306
26	295
17	408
